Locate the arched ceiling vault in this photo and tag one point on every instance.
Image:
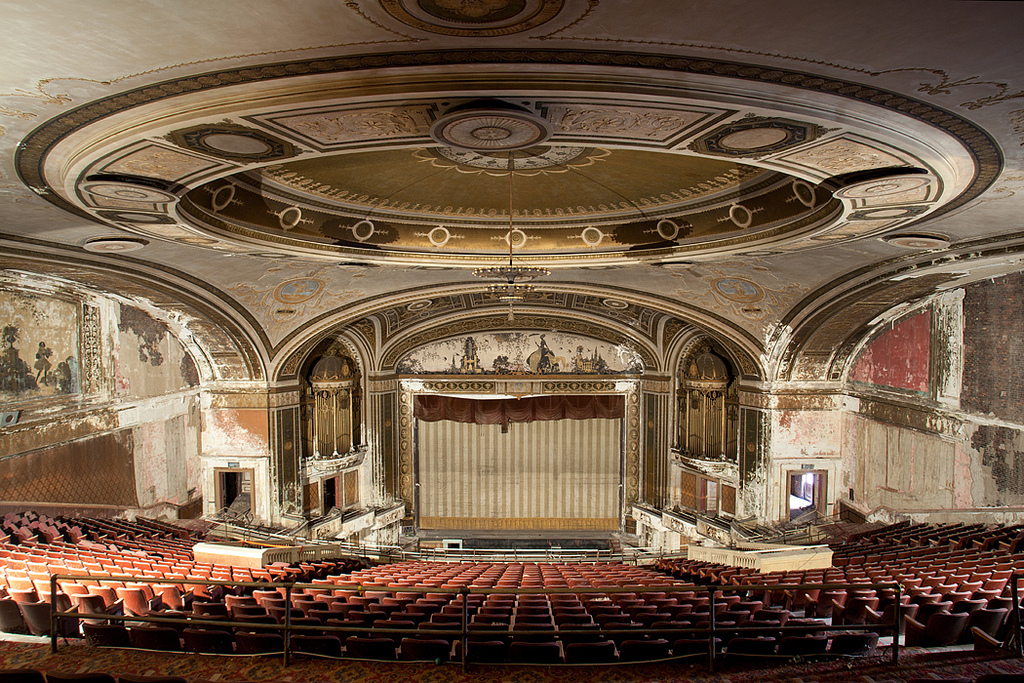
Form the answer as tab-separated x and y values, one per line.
394	325
199	320
820	334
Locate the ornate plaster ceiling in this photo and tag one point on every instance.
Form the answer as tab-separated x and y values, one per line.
764	180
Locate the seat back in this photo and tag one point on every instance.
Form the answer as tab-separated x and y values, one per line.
632	650
945	628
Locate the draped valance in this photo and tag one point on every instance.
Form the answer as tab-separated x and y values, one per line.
433	408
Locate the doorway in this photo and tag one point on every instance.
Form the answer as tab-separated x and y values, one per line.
234	490
331	494
807	494
707	496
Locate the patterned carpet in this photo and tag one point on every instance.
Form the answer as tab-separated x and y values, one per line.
78	657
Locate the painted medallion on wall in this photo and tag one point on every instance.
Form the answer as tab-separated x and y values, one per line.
39	354
521	353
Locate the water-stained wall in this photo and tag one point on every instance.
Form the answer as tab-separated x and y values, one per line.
100	405
937	424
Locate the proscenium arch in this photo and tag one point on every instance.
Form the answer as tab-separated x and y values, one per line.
490	321
367	323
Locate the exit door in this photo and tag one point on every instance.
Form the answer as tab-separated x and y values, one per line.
807	494
234	490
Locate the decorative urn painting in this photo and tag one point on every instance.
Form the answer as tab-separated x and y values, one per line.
521	353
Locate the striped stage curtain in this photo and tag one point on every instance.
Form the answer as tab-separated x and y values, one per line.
557	474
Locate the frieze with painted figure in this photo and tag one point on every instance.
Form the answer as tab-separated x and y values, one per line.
39	340
521	353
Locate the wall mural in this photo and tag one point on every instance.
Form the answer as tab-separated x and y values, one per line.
521	353
39	354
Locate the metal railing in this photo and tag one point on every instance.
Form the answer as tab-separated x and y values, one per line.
712	631
393	553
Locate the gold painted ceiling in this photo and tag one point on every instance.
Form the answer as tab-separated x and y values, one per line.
775	177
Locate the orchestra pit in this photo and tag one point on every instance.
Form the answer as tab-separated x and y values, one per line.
535	340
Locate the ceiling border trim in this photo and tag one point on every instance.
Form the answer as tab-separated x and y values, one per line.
30	156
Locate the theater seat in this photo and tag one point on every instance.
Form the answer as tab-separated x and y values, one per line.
106	635
602	652
433	649
941	630
25	675
643	650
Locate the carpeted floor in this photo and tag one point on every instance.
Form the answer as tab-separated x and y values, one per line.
78	657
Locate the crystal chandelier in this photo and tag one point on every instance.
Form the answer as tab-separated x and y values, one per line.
515	287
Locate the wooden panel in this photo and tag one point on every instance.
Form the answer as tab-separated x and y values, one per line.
351	488
688	493
729	499
311	497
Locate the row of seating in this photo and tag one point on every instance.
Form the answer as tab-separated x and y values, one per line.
482	646
954	584
31	675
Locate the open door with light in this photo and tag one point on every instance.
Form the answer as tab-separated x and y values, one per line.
807	494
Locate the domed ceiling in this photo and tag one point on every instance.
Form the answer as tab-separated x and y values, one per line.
565	200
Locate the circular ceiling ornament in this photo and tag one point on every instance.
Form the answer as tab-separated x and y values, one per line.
918	240
592	236
490	126
755	136
515	238
231	141
884	187
477	18
112	245
439	236
363	230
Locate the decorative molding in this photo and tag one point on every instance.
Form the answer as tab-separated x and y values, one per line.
473	19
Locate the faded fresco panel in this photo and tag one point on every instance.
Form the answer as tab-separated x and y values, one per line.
521	353
149	360
39	350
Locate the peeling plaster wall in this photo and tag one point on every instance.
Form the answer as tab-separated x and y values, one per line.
898	357
236	432
904	469
123	377
957	447
803	440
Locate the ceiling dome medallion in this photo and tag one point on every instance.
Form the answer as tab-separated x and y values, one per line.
490	126
111	245
918	240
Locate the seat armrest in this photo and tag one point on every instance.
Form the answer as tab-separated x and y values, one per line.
914	631
984	642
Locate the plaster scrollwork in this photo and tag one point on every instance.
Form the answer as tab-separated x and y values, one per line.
159	162
366	124
722	469
405	446
844	156
1017	121
632	483
632	122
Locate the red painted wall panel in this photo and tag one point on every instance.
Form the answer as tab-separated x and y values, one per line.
898	358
